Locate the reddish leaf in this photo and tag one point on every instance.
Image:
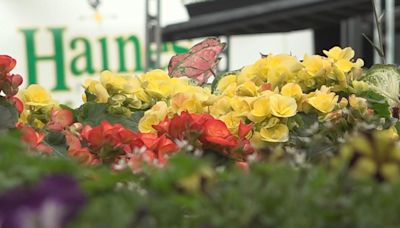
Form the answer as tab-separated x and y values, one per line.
7	63
199	62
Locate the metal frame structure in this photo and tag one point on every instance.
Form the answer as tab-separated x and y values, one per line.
272	16
390	31
152	34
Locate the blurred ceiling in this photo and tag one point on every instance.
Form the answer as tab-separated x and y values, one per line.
236	17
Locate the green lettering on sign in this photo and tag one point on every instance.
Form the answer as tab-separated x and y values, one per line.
179	49
85	56
58	57
104	52
121	48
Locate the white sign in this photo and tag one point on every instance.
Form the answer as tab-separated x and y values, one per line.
61	43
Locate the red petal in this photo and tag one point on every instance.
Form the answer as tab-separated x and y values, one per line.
216	128
244	129
18	104
7	63
163	126
86	131
73	141
44	149
229	142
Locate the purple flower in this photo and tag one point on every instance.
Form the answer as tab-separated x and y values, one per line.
50	204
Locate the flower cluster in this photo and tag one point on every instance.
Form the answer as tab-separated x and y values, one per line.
52	203
116	145
38	104
276	103
268	94
125	93
34	139
371	154
277	87
9	83
210	134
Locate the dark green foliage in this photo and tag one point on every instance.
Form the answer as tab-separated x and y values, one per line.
94	113
8	116
189	192
377	102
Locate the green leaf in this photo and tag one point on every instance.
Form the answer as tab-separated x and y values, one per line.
90	97
94	113
8	116
377	102
385	80
302	123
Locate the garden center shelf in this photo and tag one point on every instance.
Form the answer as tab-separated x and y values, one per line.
236	17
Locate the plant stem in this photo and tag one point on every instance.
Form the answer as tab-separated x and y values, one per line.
378	26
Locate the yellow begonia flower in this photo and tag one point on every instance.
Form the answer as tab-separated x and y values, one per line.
316	65
358	103
282	68
336	53
248	88
232	121
159	89
343	102
241	107
390	171
292	90
230	90
343	57
118	83
340	77
255	73
323	100
186	102
143	96
282	106
278	133
363	168
344	65
155	75
157	83
221	107
35	95
225	82
179	84
392	134
97	89
37	124
271	122
134	102
146	123
160	109
261	109
202	94
360	86
258	69
23	117
153	116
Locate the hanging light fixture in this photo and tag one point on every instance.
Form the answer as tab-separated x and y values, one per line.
95	5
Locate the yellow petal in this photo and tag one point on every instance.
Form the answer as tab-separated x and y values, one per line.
278	133
282	106
292	90
333	53
261	107
344	65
